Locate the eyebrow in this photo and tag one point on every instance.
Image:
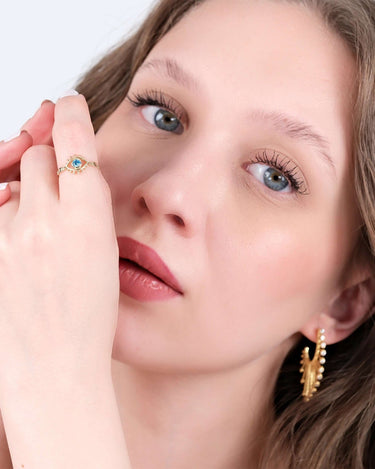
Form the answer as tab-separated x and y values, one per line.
297	130
283	123
169	68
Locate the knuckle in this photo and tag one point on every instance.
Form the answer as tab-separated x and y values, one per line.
34	247
36	238
37	151
71	131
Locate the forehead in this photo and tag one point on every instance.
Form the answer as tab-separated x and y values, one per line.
266	55
245	39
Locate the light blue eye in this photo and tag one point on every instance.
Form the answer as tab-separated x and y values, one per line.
163	119
272	178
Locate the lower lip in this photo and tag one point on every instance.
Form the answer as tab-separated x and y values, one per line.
141	284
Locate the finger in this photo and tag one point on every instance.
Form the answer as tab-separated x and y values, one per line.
39	131
9	209
36	130
40	125
73	134
39	184
4	192
11	151
11	173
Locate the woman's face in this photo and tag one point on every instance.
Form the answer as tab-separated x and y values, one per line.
258	250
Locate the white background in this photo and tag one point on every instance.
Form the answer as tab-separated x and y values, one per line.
45	46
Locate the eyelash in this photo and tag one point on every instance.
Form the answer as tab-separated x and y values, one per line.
282	166
156	98
159	99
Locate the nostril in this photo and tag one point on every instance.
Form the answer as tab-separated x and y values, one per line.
142	203
179	220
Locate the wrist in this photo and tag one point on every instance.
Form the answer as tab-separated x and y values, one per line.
76	426
54	377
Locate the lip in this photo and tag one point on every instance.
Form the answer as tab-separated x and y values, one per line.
147	258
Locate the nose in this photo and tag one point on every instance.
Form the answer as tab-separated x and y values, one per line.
178	192
168	197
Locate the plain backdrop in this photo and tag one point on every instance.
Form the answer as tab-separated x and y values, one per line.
46	45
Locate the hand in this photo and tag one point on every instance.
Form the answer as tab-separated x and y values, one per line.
59	281
39	131
36	130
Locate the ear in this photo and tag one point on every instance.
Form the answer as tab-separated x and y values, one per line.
348	309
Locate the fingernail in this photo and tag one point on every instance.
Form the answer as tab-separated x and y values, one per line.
70	92
46	101
3	185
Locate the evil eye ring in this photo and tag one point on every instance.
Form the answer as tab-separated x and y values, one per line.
76	164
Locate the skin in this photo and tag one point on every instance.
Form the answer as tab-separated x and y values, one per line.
194	375
36	131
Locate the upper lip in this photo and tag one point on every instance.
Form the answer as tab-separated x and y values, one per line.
147	258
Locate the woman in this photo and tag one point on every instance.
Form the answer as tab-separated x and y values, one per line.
236	139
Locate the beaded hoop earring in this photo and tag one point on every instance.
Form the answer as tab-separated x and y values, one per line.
312	370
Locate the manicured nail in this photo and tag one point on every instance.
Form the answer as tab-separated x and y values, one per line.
3	185
70	92
46	101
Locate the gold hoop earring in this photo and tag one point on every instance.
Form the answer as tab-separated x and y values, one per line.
312	370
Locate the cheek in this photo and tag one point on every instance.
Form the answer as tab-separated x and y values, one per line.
124	152
264	286
118	155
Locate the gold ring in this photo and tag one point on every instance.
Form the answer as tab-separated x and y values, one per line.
76	164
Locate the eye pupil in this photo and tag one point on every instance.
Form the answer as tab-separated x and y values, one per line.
272	176
166	120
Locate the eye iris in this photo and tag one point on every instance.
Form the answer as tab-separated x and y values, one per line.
273	177
166	120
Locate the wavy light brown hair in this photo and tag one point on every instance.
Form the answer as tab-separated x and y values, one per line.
335	430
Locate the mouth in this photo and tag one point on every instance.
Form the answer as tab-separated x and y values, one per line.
142	284
148	261
141	268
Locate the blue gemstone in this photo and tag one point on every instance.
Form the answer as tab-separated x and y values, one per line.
77	163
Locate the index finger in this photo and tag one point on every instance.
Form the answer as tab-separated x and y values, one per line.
73	134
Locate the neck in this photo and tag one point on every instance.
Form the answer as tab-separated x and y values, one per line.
213	420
